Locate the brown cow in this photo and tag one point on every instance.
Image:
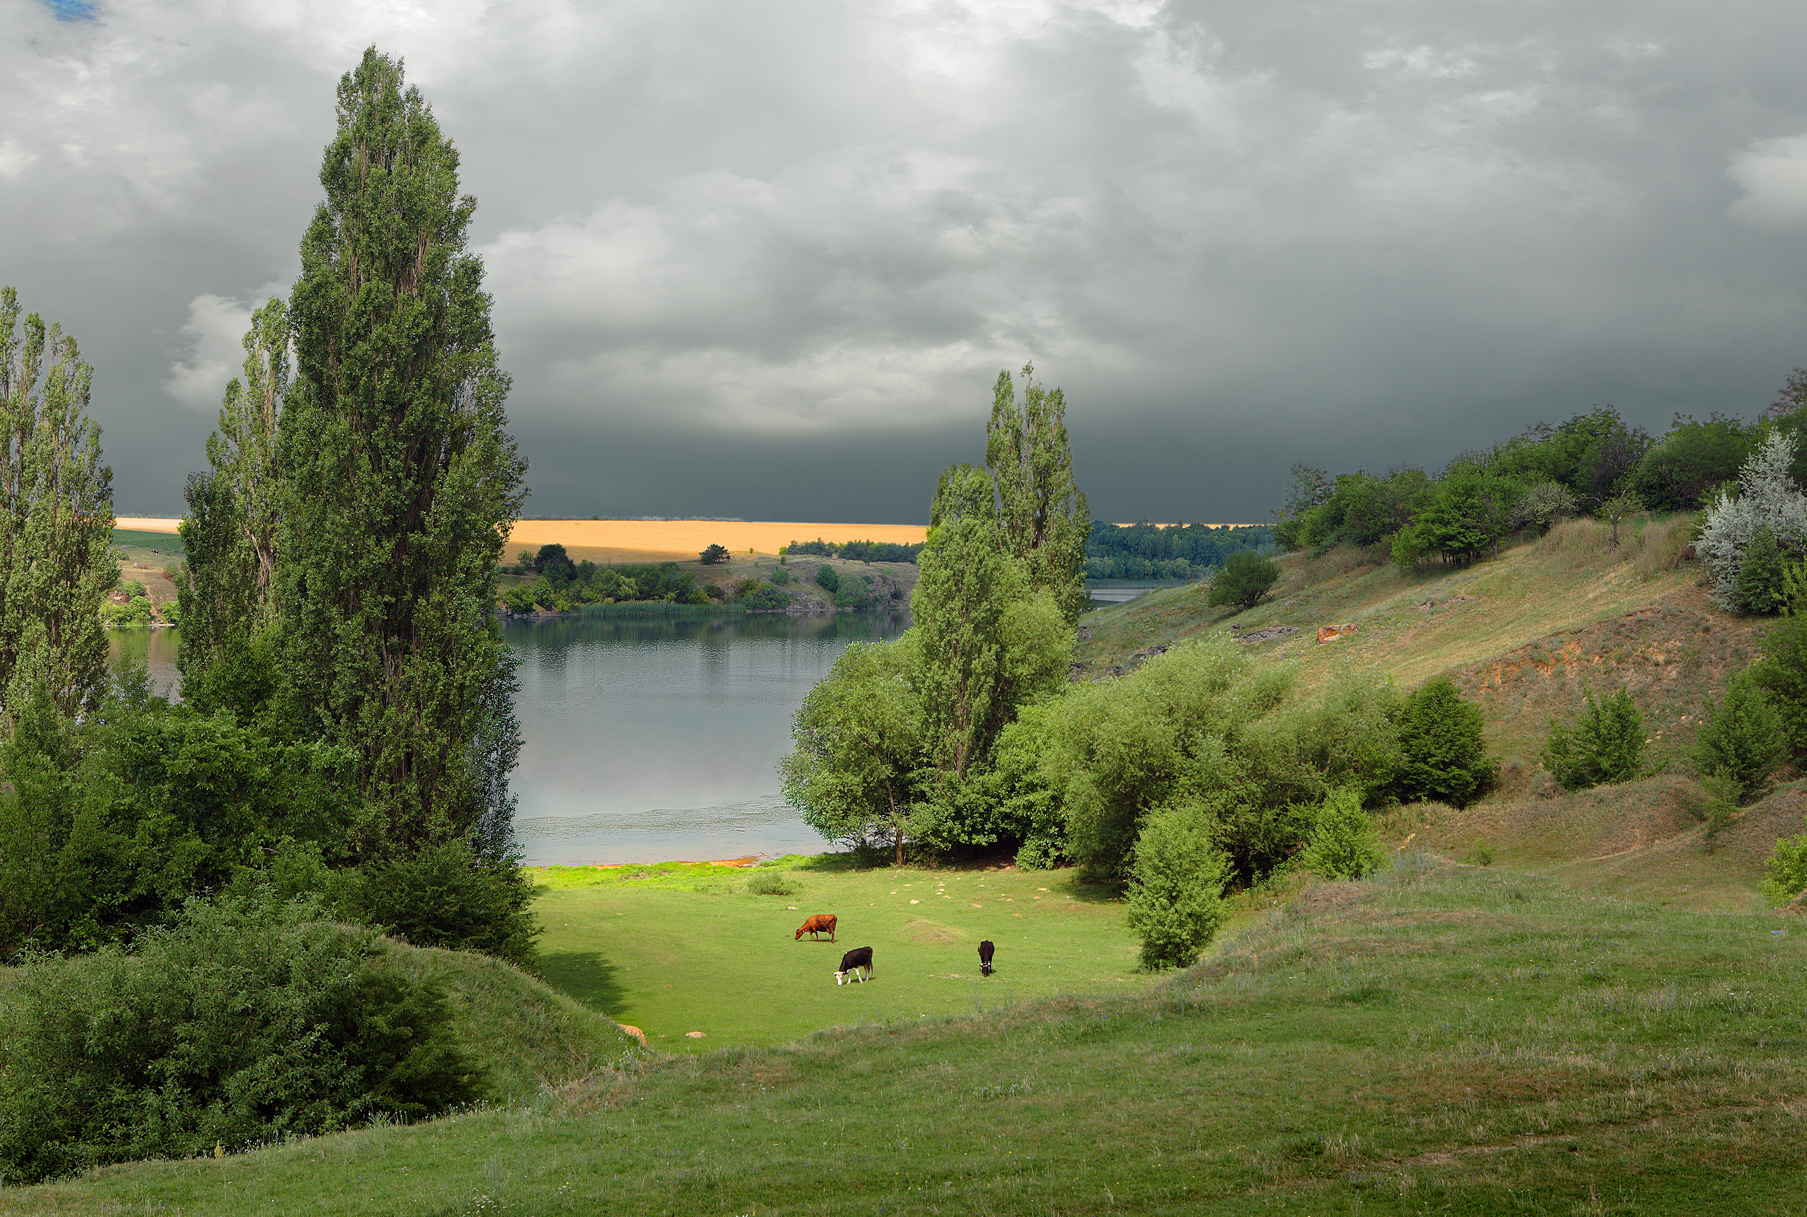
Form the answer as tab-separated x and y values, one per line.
815	925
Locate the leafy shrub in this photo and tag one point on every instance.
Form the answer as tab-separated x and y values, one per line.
827	579
245	1022
1605	745
1785	871
714	555
1742	738
1244	580
1176	888
1545	505
854	594
1759	586
445	896
771	883
1782	673
1441	753
1767	498
780	577
1718	807
1343	843
761	596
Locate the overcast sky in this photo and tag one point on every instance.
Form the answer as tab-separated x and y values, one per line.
765	259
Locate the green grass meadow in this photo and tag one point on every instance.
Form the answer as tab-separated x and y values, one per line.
679	947
1442	1039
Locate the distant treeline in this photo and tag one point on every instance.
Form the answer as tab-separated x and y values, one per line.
1173	551
1592	463
854	551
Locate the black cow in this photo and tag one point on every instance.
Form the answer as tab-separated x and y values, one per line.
985	950
855	965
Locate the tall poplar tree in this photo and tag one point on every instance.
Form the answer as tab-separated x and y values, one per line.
400	482
228	590
56	522
987	641
1043	515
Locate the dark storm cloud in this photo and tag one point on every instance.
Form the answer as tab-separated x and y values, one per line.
765	259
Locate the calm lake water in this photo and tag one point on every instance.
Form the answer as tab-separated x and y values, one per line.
649	738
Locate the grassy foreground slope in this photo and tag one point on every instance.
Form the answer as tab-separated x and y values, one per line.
1443	1039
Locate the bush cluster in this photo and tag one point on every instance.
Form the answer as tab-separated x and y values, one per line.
564	585
854	551
242	1023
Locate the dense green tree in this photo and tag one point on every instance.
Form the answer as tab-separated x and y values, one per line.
1042	514
827	579
713	555
1782	673
1442	754
56	521
860	746
1742	738
1243	581
401	481
988	642
1692	460
227	591
1176	887
1604	745
109	827
554	564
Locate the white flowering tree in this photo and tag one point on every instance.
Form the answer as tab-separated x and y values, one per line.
1767	497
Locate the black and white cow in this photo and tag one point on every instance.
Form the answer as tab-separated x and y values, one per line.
855	965
985	950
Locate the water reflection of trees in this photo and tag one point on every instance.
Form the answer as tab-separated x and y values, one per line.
714	632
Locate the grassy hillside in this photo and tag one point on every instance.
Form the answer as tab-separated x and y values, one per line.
527	1032
1446	1039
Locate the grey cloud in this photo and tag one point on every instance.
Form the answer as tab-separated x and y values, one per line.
765	259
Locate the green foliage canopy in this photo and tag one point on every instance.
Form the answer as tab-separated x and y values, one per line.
1243	581
402	482
1042	514
1176	887
56	521
243	1023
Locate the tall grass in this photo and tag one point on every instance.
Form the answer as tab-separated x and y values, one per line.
1651	546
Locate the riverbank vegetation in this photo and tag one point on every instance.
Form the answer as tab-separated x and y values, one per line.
1171	552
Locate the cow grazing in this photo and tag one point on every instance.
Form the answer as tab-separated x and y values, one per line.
816	923
855	965
985	950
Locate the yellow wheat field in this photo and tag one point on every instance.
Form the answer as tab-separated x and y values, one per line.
654	540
